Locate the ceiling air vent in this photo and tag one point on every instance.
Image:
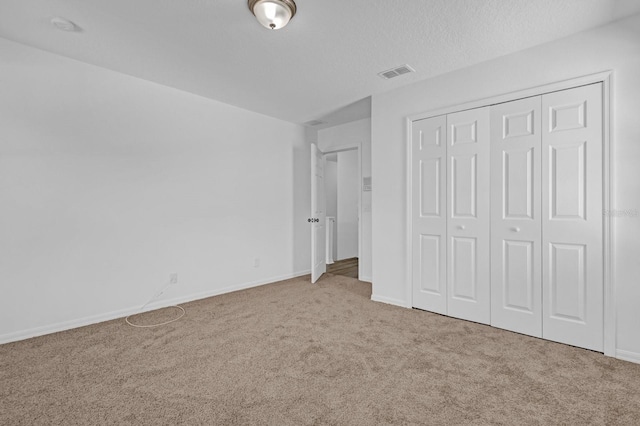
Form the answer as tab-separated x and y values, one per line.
314	123
396	72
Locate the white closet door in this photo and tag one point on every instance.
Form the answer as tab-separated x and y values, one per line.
572	258
516	292
429	214
468	221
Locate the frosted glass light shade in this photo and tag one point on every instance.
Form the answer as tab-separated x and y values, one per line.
273	14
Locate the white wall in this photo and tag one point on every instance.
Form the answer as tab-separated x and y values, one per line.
348	204
350	135
614	47
331	194
109	183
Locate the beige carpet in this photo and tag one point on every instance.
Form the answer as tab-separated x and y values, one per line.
295	353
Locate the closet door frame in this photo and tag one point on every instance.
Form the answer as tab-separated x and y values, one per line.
607	79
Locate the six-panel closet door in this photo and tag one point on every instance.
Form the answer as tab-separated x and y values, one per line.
507	215
516	233
450	217
429	214
572	219
468	215
546	228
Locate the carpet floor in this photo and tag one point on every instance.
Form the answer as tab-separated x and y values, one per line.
293	353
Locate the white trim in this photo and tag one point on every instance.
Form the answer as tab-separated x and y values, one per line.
108	316
409	212
628	356
520	94
606	78
609	296
365	279
359	208
390	301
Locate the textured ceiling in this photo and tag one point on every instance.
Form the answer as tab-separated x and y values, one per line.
323	65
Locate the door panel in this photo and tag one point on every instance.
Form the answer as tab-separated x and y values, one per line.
430	264
517	183
516	295
568	167
430	187
567	283
572	219
567	116
463	185
463	132
517	276
464	268
429	214
518	124
318	213
468	280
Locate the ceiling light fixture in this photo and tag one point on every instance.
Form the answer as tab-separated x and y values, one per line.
273	14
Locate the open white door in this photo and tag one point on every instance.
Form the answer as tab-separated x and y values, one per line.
317	219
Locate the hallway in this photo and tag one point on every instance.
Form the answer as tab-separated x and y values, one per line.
346	267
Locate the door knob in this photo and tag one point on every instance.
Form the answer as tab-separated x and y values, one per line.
515	229
461	227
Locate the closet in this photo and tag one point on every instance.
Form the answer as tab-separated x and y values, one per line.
507	223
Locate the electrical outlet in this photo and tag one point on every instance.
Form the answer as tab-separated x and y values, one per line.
173	278
256	262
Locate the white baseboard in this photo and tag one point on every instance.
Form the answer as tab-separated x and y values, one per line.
366	279
65	325
628	356
108	316
203	295
389	301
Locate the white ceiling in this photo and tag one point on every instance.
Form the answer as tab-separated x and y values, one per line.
323	65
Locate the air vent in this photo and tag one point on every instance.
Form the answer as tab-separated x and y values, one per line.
314	123
396	72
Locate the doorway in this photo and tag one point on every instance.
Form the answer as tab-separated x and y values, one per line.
339	198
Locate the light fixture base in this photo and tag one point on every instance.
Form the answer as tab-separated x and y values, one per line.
273	14
64	24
